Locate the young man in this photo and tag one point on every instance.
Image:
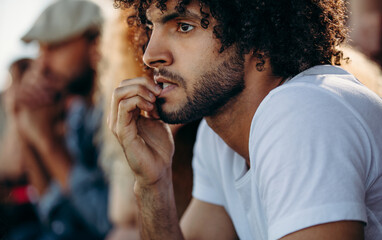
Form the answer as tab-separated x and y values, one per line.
289	148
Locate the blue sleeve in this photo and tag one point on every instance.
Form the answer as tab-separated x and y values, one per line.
83	209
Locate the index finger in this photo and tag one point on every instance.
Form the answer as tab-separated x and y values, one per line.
148	83
138	87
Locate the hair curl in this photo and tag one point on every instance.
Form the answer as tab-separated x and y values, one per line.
293	34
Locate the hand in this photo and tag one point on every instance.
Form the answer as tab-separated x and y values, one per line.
10	102
146	141
38	111
121	233
40	126
36	89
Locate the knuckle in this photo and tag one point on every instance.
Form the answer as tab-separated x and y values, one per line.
124	82
141	90
124	102
149	81
144	81
118	91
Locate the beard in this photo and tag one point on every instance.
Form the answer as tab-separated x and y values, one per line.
83	83
213	90
78	83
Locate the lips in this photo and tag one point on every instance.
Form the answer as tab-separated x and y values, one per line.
166	85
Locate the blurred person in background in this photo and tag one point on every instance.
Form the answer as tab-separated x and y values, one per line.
366	27
58	118
10	154
15	205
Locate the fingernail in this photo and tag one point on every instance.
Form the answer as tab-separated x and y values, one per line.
151	96
158	88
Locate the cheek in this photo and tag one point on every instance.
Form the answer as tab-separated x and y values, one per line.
194	60
67	62
194	56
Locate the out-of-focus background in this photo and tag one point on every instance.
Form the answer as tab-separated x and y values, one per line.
16	17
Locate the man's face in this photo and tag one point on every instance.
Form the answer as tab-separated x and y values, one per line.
197	79
66	62
366	25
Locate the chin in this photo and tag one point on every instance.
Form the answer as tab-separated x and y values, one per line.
172	115
178	117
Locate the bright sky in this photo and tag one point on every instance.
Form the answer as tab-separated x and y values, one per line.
16	17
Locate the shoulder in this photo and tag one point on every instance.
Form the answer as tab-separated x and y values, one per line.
320	98
309	138
314	120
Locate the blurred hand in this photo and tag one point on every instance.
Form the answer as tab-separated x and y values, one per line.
36	89
38	109
122	233
41	125
146	141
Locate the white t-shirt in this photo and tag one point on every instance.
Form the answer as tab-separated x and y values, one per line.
315	151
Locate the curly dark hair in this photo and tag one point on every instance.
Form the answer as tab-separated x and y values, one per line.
293	34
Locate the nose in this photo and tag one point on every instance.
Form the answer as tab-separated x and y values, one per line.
157	52
43	57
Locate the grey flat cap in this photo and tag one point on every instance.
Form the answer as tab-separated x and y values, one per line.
63	20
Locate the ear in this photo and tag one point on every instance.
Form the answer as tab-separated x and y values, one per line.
257	59
94	53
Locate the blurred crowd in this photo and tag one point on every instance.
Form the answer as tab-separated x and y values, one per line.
62	174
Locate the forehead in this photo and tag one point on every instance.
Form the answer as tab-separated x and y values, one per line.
75	42
154	14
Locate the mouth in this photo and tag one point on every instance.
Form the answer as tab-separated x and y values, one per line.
164	83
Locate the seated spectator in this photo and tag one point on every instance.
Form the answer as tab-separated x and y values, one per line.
10	155
16	207
58	118
366	28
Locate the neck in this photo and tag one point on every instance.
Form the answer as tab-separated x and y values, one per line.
233	122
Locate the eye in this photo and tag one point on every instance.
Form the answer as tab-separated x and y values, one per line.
185	27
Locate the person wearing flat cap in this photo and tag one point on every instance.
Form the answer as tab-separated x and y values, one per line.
58	118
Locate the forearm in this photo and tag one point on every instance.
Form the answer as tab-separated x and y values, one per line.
56	160
11	157
36	173
157	211
89	197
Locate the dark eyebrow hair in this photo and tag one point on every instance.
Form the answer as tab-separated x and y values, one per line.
168	17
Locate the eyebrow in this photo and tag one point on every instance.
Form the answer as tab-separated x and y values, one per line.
168	17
